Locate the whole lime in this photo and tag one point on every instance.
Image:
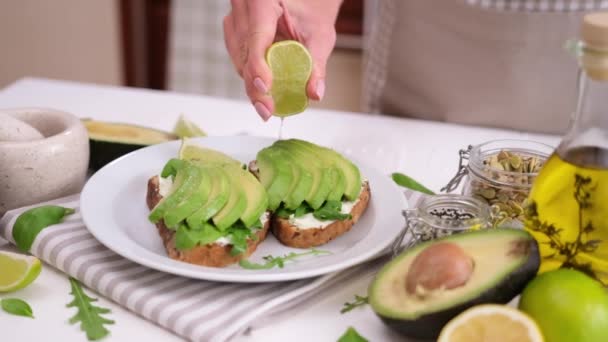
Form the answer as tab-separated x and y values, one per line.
568	306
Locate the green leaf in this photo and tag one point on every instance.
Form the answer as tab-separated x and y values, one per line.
331	210
283	212
359	301
408	182
18	307
302	210
187	238
351	335
31	222
88	314
238	235
272	261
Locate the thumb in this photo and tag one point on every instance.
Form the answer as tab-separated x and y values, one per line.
320	48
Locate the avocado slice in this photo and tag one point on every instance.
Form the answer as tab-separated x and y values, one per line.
255	194
322	177
191	203
337	176
217	199
349	172
204	156
504	261
303	179
186	179
276	175
237	201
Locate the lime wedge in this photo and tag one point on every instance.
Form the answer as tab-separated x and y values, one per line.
18	271
291	66
185	128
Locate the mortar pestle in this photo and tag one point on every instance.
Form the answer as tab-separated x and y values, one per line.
44	154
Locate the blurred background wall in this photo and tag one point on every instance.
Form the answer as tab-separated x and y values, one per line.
64	39
158	44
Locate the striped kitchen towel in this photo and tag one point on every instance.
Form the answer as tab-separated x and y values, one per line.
194	309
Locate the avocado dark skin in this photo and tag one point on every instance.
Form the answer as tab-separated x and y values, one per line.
428	327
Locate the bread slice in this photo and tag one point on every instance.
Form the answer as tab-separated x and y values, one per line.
293	236
213	255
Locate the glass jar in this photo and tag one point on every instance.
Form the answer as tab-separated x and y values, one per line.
445	214
500	173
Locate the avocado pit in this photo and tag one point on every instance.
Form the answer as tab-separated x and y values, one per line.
441	266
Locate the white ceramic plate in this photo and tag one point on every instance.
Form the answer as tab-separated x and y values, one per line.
114	210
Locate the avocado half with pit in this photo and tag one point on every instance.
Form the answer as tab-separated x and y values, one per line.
110	140
419	291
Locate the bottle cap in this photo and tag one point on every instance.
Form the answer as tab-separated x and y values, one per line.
594	31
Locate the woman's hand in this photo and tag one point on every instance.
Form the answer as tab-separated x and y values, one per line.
253	25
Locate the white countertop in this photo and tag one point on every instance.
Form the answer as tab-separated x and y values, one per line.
427	151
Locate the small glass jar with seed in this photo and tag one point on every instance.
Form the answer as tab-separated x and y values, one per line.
501	173
445	214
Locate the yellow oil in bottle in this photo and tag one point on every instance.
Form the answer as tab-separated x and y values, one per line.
568	211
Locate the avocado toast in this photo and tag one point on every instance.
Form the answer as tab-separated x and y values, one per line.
207	208
315	193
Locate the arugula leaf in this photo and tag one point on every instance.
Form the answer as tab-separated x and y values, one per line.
410	183
238	235
302	210
330	211
187	238
88	315
283	212
31	222
257	225
359	301
351	335
17	307
272	261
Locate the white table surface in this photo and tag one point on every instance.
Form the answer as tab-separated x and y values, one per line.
427	151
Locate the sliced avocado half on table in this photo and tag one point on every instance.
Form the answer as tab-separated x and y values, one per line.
110	140
503	262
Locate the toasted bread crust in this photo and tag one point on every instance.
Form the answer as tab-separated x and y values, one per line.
212	255
292	236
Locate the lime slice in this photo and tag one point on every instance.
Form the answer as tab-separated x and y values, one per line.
291	66
185	128
18	270
491	322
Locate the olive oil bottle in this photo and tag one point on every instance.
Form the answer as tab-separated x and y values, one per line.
567	210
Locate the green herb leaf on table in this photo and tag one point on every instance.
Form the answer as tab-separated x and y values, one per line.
351	335
88	314
359	301
31	222
410	183
18	307
331	210
272	261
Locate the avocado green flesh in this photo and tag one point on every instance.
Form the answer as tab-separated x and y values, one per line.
338	184
207	157
302	183
109	140
218	197
276	174
191	203
236	205
321	177
350	172
257	200
504	261
182	187
487	272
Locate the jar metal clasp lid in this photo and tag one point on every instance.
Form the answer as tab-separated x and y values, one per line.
463	170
